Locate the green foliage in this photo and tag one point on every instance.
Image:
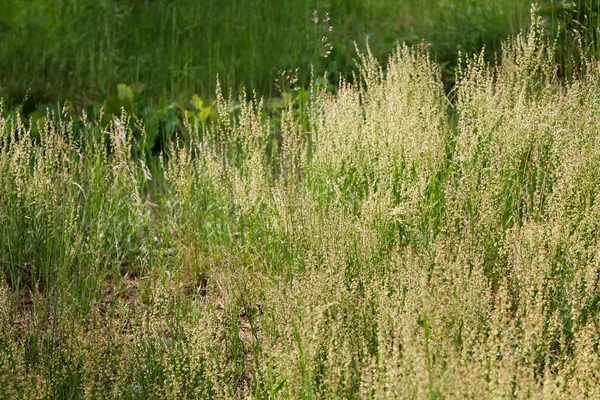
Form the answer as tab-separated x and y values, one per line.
347	242
80	50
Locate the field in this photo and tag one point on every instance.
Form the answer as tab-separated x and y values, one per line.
380	236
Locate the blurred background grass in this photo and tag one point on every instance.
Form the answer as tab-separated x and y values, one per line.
79	50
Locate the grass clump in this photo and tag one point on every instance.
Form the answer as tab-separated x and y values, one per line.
367	247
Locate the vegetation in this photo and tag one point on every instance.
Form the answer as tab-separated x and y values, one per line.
80	50
369	244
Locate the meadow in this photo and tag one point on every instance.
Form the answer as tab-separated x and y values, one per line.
380	238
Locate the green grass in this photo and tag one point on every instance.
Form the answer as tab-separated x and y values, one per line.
367	235
366	245
80	50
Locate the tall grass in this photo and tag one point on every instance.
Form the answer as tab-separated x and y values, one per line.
375	250
80	50
575	25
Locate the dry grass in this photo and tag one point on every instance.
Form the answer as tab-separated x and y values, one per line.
383	251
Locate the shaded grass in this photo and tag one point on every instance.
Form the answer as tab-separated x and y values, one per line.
80	50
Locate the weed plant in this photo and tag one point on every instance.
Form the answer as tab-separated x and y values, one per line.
368	248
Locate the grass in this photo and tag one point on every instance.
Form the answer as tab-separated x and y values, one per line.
80	50
366	246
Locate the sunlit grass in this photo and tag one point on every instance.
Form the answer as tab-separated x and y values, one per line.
366	246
